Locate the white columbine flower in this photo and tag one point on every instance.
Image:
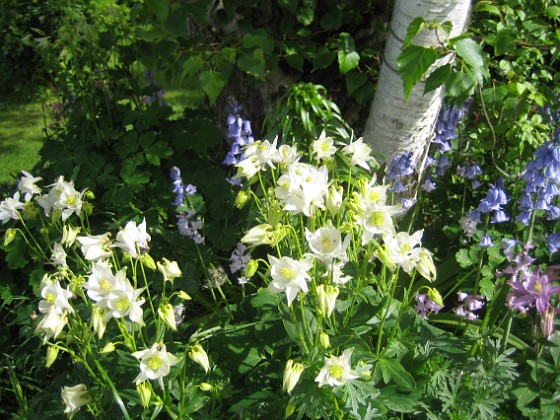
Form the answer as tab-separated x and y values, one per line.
334	198
27	185
95	247
58	256
62	197
302	188
52	323
326	297
75	397
326	244
155	363
169	269
289	275
359	153
133	238
287	155
9	208
54	296
403	249
337	371
323	147
377	220
292	372
69	235
199	355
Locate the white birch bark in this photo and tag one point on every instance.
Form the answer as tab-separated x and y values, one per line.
395	126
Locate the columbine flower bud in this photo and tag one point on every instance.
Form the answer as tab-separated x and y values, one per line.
383	254
334	199
326	295
205	386
259	235
251	269
52	354
275	213
145	391
169	269
184	295
435	296
292	372
167	314
148	261
198	355
324	340
69	235
241	199
9	236
425	266
108	348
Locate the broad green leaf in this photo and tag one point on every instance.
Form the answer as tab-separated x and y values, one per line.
413	30
437	78
471	53
391	369
413	63
323	58
487	6
354	81
252	63
212	83
160	8
505	41
259	39
347	61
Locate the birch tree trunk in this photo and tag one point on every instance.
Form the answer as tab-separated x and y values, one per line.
395	126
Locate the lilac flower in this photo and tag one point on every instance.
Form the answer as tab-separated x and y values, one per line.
428	185
519	259
424	305
470	170
470	304
536	291
190	226
239	259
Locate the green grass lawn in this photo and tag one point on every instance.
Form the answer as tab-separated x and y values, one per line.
21	126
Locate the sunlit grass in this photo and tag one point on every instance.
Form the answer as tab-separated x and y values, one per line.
21	127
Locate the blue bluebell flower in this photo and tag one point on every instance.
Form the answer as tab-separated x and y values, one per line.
553	242
486	241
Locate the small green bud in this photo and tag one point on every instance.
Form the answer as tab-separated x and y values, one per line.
205	386
109	348
251	269
435	296
9	236
324	340
198	355
52	354
167	314
148	261
145	391
241	199
184	295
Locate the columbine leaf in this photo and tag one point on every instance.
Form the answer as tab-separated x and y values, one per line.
413	63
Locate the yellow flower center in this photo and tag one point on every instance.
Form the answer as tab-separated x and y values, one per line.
374	196
288	273
538	287
50	298
336	371
377	218
325	147
328	245
155	362
72	200
123	304
106	285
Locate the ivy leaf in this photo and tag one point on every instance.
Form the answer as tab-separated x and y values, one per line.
212	83
413	30
413	63
471	53
354	81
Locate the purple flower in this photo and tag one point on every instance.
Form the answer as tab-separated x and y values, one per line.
469	304
424	305
536	291
428	185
